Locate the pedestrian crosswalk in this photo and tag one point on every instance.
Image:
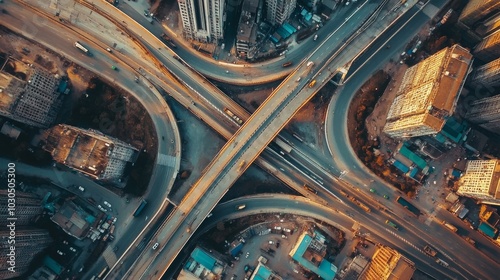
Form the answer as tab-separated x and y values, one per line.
166	160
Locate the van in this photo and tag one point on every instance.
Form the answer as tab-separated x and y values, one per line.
240	207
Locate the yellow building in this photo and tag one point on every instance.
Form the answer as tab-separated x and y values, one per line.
428	93
489	48
386	264
481	181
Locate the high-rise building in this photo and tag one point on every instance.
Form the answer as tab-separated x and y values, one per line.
34	101
28	207
479	10
486	113
428	93
89	151
279	10
29	242
488	74
481	181
202	20
489	48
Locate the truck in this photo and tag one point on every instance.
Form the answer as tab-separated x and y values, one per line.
430	251
392	224
442	262
79	46
140	208
168	41
450	227
284	146
408	206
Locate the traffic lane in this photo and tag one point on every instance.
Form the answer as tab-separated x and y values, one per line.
301	206
484	244
419	20
207	65
96	62
381	40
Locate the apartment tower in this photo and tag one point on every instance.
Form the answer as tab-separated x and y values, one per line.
279	10
481	181
487	75
489	48
428	93
202	20
29	243
486	113
477	11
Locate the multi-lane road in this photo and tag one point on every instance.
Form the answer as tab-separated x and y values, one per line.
202	89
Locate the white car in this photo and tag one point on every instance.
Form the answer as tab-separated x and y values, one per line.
107	203
72	249
81	188
156	245
271	242
60	253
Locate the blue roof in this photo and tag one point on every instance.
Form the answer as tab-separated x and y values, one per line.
401	166
420	162
262	273
487	229
413	172
203	258
234	252
288	27
325	270
53	265
453	130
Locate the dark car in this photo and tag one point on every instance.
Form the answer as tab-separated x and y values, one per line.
286	64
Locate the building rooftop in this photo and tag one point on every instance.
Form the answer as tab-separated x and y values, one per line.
263	272
73	219
87	151
428	93
481	179
307	255
201	265
388	264
36	101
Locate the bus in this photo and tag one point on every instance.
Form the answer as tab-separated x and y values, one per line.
284	146
310	189
79	46
103	272
140	208
392	224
